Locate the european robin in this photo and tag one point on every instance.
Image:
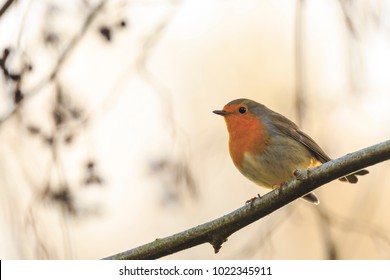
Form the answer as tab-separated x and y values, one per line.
267	148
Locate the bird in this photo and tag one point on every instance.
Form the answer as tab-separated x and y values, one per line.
266	147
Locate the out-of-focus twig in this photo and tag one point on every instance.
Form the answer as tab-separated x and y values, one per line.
148	46
300	95
71	46
299	60
5	7
331	249
60	62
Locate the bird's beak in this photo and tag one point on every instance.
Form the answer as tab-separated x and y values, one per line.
220	112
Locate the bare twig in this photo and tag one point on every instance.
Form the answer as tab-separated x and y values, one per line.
64	55
6	6
330	246
71	46
299	60
149	44
217	231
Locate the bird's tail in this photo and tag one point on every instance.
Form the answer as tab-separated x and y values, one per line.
312	198
352	178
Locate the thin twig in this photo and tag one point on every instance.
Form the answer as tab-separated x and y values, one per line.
60	62
331	250
299	60
6	6
71	46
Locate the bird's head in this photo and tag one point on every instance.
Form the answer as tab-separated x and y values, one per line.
242	115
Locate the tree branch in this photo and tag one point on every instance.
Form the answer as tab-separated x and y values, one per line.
74	42
5	7
217	231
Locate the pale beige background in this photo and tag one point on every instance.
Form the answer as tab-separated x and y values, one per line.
150	123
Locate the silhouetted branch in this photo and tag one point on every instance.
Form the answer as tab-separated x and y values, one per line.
149	44
217	231
71	46
331	250
5	7
299	60
60	62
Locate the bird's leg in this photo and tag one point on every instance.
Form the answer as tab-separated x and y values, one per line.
278	187
301	174
251	200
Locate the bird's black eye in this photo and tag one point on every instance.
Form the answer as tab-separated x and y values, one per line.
242	110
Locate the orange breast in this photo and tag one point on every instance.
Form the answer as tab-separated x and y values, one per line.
246	135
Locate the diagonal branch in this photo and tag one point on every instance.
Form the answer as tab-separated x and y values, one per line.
5	7
217	231
71	46
75	41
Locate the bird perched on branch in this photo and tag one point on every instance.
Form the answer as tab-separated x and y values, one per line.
267	148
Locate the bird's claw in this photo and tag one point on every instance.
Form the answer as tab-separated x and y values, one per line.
276	186
252	200
301	174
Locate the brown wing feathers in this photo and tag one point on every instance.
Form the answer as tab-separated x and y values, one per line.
290	129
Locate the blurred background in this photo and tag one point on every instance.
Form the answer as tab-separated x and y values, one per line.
108	141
